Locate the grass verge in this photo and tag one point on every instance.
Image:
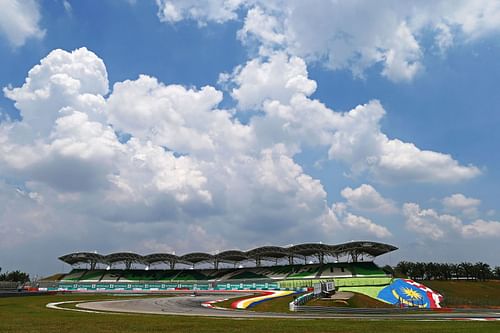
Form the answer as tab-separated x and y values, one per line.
29	314
467	293
356	301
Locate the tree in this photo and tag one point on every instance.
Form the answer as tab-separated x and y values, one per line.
446	271
482	271
403	268
466	270
388	269
496	272
419	271
454	271
15	276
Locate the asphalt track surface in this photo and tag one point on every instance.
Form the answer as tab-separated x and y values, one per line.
191	306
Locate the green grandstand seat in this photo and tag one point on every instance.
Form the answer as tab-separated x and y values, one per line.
140	275
248	275
190	275
168	275
92	276
74	275
112	275
305	272
366	268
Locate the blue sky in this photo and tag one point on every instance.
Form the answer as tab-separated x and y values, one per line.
252	117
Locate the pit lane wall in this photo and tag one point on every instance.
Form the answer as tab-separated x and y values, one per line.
112	287
204	285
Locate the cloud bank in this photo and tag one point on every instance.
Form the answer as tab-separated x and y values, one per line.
353	35
154	163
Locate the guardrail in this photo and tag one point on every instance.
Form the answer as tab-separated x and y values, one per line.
302	299
7	285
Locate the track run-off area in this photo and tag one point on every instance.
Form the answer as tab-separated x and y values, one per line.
196	305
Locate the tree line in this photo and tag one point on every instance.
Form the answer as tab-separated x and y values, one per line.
14	276
446	271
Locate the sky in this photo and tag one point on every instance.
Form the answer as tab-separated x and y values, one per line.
180	126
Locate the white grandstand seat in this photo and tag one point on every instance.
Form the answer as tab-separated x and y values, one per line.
334	271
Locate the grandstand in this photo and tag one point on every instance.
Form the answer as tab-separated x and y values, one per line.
261	268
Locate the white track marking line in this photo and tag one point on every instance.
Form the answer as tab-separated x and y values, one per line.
55	305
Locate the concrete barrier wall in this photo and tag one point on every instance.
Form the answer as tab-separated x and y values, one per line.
158	286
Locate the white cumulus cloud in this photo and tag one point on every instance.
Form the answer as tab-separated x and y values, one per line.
366	198
19	21
363	225
165	163
201	11
430	224
354	35
187	167
482	228
460	203
279	86
279	79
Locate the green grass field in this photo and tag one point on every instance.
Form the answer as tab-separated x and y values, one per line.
467	293
28	314
279	305
356	301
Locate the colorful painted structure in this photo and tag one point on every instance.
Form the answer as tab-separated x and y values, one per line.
408	293
252	301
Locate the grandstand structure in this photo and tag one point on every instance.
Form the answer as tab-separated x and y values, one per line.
266	267
352	250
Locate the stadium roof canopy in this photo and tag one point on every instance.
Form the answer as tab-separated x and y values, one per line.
232	256
353	250
197	257
83	257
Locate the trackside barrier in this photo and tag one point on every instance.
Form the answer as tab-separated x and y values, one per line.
302	299
159	286
331	309
7	285
205	285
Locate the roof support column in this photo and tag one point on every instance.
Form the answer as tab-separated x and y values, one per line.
257	262
321	257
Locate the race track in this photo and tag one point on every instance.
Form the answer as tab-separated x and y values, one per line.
192	306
